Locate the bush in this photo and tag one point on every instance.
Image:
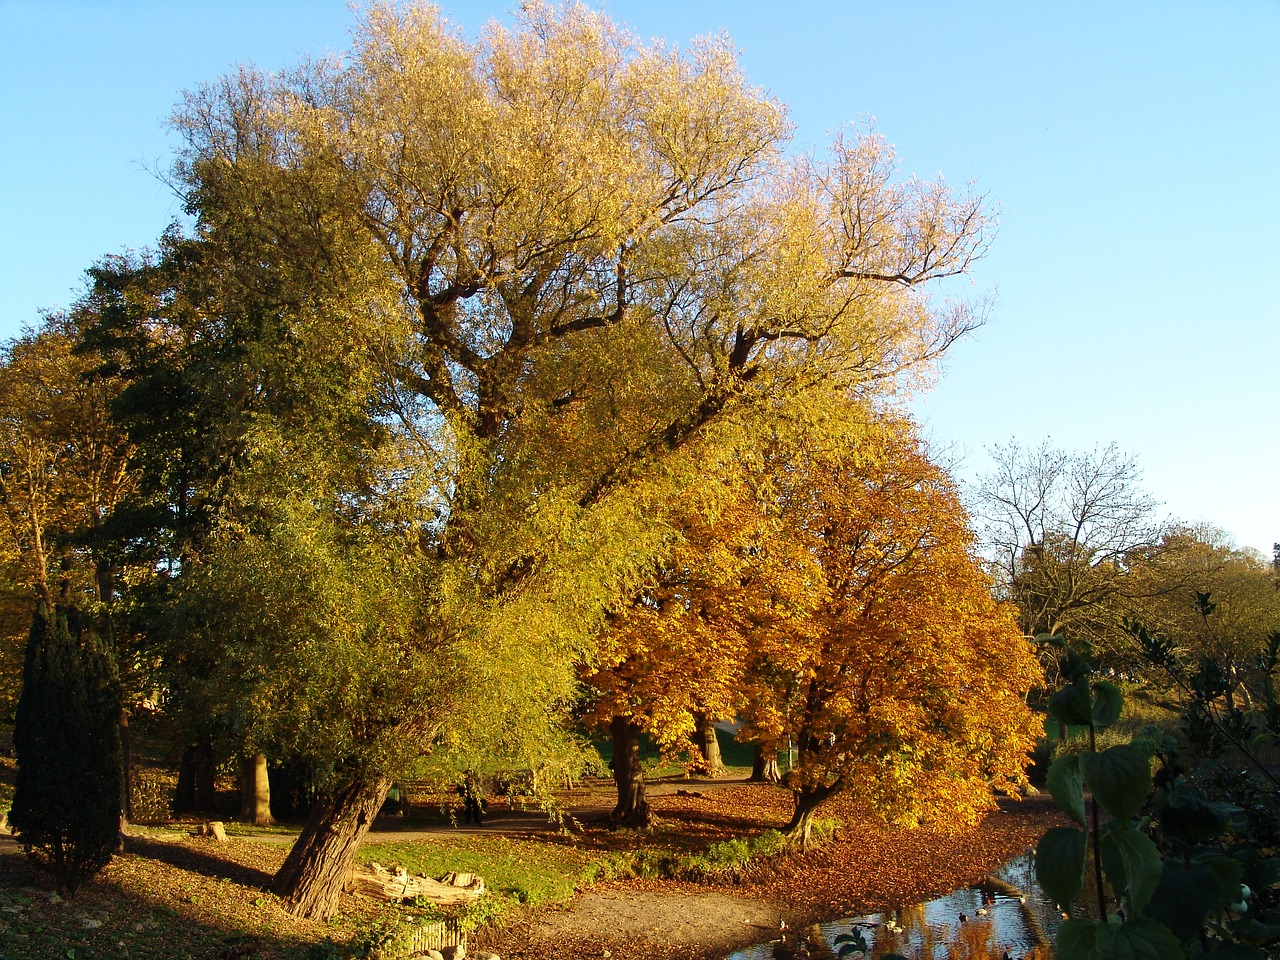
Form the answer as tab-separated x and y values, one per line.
66	804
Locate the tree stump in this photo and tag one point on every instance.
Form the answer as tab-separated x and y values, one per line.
213	828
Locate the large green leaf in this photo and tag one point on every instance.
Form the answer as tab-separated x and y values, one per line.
1107	704
1141	863
1120	778
1084	939
1060	864
1066	783
1187	815
1183	898
1228	873
1072	705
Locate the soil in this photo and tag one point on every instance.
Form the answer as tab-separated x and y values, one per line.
168	884
870	867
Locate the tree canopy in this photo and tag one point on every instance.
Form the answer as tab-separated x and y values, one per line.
458	333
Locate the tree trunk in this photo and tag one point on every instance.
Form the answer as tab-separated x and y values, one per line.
799	831
255	791
126	762
313	876
708	744
633	806
196	774
764	767
184	795
206	773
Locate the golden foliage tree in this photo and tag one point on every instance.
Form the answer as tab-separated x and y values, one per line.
908	692
675	657
64	466
565	256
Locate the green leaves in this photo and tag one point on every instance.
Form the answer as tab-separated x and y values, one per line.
1107	704
1084	939
1120	778
1060	857
1072	705
1081	704
1133	864
1066	783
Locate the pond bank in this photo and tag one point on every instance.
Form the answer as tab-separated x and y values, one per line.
872	867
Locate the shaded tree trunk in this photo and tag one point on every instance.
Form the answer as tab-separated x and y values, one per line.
764	767
708	744
255	791
126	763
312	877
633	805
195	790
184	794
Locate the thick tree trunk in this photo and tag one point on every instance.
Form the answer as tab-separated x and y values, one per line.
764	767
313	876
633	806
255	791
184	795
708	744
799	831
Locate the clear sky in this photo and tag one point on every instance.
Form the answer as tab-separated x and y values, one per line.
1133	147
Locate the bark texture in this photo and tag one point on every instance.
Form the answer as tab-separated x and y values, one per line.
313	876
633	804
764	767
397	886
799	831
708	744
255	791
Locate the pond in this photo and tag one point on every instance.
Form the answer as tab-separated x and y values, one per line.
1009	912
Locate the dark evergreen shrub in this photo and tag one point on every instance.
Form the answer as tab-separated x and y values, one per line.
66	804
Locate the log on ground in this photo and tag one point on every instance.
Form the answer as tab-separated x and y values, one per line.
375	880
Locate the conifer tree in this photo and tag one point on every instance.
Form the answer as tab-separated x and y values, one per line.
66	805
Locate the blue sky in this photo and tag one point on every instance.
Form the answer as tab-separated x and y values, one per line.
1133	147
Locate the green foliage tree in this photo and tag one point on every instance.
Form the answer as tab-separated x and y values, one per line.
456	325
1208	599
66	805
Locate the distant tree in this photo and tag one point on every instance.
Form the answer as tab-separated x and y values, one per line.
66	805
1060	528
1210	600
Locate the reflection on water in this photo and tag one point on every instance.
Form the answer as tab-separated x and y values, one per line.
1008	914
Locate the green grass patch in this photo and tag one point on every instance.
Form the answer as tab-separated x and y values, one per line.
516	870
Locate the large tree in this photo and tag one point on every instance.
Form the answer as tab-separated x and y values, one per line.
561	256
908	689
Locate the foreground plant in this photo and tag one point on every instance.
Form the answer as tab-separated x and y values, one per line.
1175	873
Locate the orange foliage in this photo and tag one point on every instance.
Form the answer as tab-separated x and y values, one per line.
908	690
682	647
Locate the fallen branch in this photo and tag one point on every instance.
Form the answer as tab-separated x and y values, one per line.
375	880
